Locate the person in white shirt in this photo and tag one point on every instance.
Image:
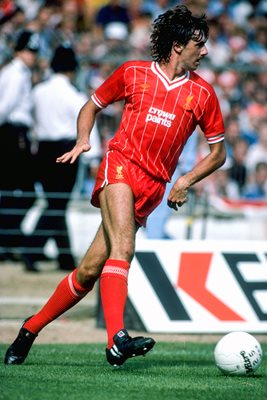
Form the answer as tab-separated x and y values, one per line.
56	104
16	161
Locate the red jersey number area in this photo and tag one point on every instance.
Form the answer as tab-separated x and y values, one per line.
159	114
148	191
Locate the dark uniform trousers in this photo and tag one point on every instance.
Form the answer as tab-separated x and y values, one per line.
57	182
16	185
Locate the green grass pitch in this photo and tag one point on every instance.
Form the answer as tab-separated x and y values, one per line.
183	371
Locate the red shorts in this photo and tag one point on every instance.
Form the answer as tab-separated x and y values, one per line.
148	191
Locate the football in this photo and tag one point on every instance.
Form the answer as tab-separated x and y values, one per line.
238	353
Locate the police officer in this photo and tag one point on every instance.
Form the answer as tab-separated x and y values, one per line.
16	161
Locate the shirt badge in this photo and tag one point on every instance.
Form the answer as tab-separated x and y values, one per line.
119	174
187	105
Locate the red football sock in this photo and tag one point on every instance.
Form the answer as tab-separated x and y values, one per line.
114	290
68	293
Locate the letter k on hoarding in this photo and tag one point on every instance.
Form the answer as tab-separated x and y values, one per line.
194	268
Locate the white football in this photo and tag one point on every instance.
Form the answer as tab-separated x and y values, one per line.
238	353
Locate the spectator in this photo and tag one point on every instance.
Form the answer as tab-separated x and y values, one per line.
140	32
113	46
12	23
250	119
238	169
240	53
259	44
16	161
113	11
46	30
229	88
256	188
233	133
218	49
8	9
249	88
30	7
258	151
221	185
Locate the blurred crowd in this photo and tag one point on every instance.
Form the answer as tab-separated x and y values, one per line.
105	33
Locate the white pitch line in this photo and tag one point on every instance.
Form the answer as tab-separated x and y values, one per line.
34	301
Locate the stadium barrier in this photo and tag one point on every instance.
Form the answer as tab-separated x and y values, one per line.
208	217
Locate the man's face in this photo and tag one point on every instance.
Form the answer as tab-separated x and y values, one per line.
192	53
29	57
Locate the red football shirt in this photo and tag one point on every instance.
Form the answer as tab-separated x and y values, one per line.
159	114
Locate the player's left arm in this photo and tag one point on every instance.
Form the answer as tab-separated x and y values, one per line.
214	160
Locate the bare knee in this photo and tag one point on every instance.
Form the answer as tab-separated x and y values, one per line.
88	274
123	250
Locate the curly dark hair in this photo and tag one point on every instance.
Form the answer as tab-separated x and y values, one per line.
179	26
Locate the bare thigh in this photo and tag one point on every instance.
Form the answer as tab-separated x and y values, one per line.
115	237
117	209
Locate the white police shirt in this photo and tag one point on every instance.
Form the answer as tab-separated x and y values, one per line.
56	105
15	93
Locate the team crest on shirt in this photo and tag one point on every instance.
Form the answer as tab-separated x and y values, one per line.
119	174
187	105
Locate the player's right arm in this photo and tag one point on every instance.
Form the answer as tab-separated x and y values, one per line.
111	90
85	123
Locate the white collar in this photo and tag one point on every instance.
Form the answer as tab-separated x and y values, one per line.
169	85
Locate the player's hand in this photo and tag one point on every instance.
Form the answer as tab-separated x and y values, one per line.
178	194
174	204
71	156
